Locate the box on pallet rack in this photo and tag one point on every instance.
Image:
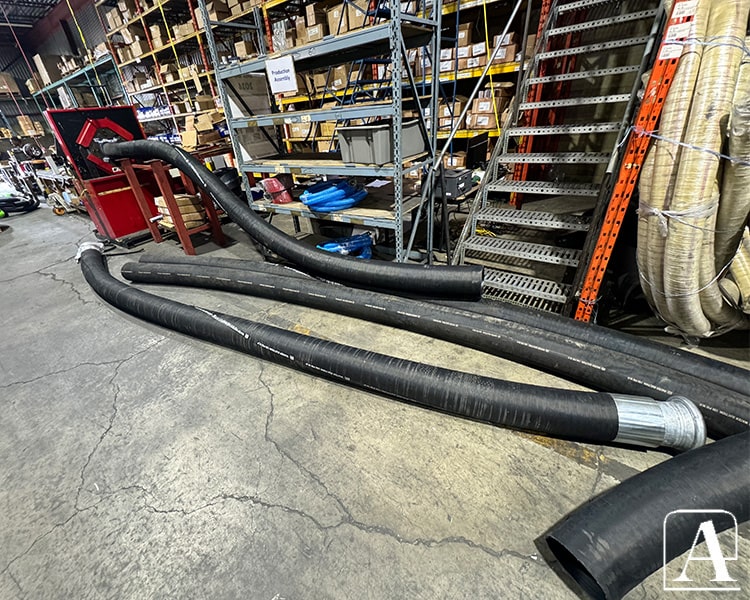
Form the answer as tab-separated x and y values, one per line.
8	84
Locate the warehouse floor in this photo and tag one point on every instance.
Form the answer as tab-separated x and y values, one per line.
138	463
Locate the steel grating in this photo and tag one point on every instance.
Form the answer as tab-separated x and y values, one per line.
537	252
549	188
565	129
555	158
524	285
533	218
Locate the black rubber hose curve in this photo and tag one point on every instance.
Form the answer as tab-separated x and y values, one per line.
725	412
721	375
423	280
614	542
584	416
708	369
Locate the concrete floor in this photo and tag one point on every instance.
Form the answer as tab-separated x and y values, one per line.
139	463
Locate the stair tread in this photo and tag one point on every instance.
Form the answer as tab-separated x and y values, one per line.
595	73
581	101
591	48
533	218
516	283
528	250
544	187
605	22
557	158
565	129
579	4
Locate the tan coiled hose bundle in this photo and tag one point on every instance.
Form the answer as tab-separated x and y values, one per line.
680	190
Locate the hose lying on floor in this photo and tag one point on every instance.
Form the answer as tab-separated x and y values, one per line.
423	280
724	411
613	542
586	416
721	374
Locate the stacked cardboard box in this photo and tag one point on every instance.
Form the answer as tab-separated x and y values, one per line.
192	212
128	9
200	130
114	19
29	127
489	106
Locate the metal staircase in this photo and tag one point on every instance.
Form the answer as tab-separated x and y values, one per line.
555	157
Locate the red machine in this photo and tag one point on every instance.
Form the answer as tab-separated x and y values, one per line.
109	198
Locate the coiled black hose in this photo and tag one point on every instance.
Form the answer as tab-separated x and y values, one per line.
423	280
614	542
724	411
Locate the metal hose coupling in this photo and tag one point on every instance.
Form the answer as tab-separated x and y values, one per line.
98	246
675	423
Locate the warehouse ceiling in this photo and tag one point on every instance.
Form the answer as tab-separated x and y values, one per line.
20	16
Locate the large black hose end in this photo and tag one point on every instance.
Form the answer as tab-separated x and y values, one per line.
613	542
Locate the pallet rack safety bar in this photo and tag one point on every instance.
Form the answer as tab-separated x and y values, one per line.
665	67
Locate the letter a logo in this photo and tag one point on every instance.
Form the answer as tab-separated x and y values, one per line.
694	573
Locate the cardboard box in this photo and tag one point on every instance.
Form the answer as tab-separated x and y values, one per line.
446	66
158	31
31	85
302	130
319	81
236	10
203	102
446	53
316	32
481	121
114	19
204	122
463	64
355	14
243	48
448	122
218	10
463	51
126	6
453	107
182	29
530	46
327	129
132	33
456	160
479	49
483	106
169	72
315	14
46	65
475	62
464	34
506	54
509	38
337	21
8	84
139	47
124	54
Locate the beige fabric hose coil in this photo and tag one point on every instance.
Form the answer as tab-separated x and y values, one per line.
680	192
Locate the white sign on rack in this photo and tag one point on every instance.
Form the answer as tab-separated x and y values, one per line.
282	75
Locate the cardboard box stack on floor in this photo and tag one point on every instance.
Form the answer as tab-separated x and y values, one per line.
191	210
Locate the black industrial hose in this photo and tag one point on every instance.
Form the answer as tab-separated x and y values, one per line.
725	412
586	416
436	281
614	542
714	371
722	375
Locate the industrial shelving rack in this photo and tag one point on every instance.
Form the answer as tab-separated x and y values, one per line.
392	34
101	79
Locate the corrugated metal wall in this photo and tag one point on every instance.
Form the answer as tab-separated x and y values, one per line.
92	29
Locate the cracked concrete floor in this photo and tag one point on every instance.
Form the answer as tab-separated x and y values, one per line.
138	463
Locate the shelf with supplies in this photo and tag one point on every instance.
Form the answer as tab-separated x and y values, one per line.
302	40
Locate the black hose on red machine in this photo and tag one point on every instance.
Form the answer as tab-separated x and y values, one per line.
419	280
